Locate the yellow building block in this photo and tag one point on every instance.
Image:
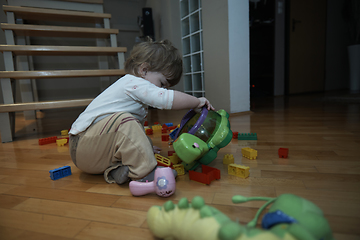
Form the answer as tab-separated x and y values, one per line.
175	158
162	161
156	128
238	170
228	158
179	168
64	132
249	153
61	142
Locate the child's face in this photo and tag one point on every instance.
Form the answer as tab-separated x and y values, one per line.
157	79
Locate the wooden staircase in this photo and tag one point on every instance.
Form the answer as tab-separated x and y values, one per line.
74	11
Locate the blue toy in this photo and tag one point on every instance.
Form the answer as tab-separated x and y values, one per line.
61	172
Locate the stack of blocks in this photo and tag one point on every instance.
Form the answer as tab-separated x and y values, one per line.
172	162
176	161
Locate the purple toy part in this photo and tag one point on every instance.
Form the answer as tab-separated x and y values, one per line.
184	120
198	123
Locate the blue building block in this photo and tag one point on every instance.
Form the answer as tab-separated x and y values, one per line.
173	133
247	136
60	172
169	124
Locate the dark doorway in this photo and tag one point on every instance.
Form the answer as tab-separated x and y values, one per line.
262	30
306	30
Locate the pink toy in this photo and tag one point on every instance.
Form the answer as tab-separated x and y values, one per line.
163	184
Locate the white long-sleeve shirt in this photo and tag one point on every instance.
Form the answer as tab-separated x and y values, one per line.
128	94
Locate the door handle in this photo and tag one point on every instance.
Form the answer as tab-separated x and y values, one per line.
294	22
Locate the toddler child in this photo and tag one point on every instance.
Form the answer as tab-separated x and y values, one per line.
108	137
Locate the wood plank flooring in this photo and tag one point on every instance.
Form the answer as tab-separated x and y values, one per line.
323	167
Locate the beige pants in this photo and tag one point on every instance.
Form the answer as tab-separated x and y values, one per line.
116	140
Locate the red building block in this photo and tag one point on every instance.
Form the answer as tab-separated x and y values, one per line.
164	138
48	140
170	153
164	130
208	175
235	134
156	123
283	152
149	131
146	123
172	127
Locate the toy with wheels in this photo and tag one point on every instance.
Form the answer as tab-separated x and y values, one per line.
290	217
200	137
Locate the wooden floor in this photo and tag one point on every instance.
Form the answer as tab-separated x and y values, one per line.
323	166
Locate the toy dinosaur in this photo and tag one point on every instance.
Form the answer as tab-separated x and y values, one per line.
290	217
200	136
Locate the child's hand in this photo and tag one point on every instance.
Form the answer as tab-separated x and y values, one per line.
205	102
156	149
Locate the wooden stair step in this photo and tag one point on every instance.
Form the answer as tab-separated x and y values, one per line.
58	31
39	50
19	107
31	13
86	1
61	73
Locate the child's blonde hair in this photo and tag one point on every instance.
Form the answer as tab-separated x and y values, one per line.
159	56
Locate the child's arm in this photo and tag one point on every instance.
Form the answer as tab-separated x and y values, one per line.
186	101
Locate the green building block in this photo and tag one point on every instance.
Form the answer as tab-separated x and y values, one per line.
247	136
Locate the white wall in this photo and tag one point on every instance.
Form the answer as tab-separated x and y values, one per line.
238	15
226	54
226	48
166	17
